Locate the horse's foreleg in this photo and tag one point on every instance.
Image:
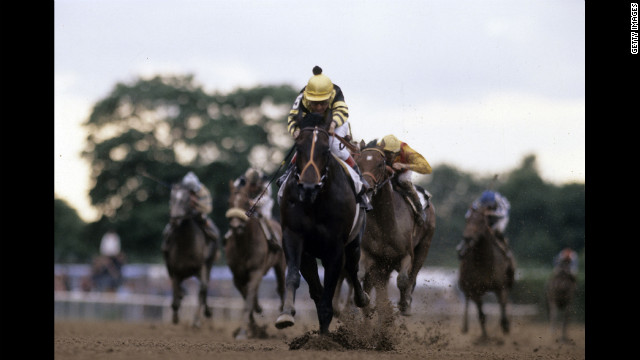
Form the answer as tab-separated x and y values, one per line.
336	297
351	265
465	315
565	323
202	298
293	252
280	276
250	295
405	285
481	316
332	271
177	298
504	320
383	305
553	317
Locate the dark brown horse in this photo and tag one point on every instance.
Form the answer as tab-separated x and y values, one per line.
249	257
484	268
392	239
320	220
560	292
189	253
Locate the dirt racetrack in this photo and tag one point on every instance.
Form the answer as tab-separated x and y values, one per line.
414	337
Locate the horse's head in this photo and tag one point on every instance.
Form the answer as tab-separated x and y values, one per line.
312	157
476	226
373	165
179	203
238	206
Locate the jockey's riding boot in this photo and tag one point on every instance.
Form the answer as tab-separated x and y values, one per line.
420	216
461	249
209	228
361	197
507	250
269	233
284	176
226	237
165	236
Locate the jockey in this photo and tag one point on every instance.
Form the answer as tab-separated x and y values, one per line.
202	205
260	198
321	96
566	257
404	160
499	208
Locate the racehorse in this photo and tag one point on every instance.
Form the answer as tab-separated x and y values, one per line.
188	253
249	256
484	268
392	239
106	272
560	292
320	220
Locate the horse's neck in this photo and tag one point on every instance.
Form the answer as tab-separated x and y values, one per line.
252	231
382	201
186	231
486	247
338	176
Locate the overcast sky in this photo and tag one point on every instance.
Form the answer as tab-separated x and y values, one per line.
473	84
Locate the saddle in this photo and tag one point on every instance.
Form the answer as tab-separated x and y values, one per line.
423	195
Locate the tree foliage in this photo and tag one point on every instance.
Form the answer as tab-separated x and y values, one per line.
68	234
149	134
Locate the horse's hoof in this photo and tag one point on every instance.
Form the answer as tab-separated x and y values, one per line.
175	319
362	301
207	312
284	321
241	335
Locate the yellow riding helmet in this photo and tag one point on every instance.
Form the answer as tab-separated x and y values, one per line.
319	87
391	143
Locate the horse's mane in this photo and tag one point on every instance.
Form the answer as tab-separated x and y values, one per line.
371	144
313	119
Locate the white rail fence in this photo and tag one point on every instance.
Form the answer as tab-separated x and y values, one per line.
146	296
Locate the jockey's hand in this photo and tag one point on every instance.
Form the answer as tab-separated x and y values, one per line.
296	132
332	127
400	166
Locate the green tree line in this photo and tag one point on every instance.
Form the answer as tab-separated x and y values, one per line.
147	134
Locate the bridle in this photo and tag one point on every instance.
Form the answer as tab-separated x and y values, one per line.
378	183
236	208
188	212
311	164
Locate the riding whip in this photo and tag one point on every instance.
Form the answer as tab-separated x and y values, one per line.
252	209
147	175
